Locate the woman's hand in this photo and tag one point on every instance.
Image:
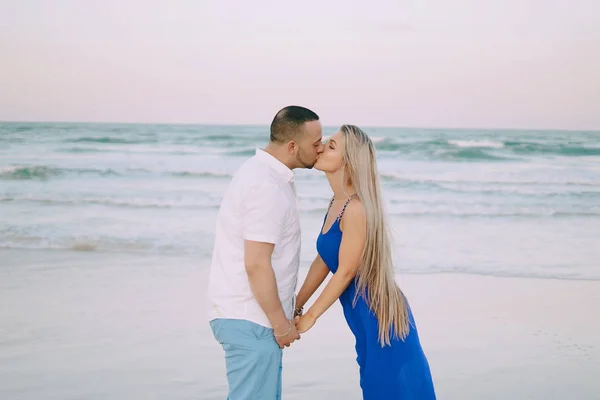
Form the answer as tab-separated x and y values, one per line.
304	323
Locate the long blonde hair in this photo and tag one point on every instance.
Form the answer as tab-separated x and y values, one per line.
376	270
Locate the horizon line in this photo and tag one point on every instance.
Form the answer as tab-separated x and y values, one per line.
221	124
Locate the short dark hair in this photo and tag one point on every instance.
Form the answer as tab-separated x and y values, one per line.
287	121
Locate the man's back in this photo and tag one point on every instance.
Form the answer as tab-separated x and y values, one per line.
259	205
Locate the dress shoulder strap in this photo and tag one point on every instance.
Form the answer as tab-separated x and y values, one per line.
330	204
339	217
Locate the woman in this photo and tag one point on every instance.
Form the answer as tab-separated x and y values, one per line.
354	244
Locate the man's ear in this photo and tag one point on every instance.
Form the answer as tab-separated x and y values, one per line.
292	146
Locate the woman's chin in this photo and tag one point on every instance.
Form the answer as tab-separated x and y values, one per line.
317	166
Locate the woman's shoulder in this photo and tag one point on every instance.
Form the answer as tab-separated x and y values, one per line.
355	208
354	214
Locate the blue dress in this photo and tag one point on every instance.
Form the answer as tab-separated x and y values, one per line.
399	371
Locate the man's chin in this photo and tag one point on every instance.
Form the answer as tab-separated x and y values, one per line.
311	166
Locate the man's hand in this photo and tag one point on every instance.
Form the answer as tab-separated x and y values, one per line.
285	341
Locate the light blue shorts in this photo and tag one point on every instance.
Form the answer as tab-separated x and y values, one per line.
252	357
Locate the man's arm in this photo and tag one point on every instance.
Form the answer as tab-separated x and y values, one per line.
263	220
257	258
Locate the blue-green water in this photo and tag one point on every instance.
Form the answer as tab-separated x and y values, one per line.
523	203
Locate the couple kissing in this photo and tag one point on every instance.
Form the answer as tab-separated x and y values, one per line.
253	309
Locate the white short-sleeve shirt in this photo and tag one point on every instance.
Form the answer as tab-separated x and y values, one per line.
259	205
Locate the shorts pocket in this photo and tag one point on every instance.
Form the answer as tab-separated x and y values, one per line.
262	332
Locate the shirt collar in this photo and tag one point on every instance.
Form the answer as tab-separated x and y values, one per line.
282	170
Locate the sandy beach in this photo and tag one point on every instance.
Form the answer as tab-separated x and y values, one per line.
121	326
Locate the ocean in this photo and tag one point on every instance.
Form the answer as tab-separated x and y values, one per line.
492	202
106	233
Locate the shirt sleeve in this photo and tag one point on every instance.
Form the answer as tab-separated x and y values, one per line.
264	213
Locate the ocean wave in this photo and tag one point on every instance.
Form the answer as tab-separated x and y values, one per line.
391	145
483	150
200	174
37	242
447	150
76	150
43	172
565	274
422	209
180	173
571	150
113	240
469	154
241	152
534	190
109	140
166	150
224	137
200	202
28	172
476	143
125	202
550	179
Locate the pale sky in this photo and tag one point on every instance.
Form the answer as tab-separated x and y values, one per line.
426	63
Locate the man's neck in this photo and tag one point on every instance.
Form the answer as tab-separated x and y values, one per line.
279	152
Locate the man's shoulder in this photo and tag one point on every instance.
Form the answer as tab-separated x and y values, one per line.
255	174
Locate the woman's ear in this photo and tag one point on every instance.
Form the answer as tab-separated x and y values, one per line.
347	172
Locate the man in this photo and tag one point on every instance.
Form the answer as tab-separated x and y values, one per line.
256	255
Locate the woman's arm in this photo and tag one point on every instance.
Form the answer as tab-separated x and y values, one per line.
351	249
316	275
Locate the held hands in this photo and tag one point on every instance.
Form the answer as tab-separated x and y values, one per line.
286	336
304	322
